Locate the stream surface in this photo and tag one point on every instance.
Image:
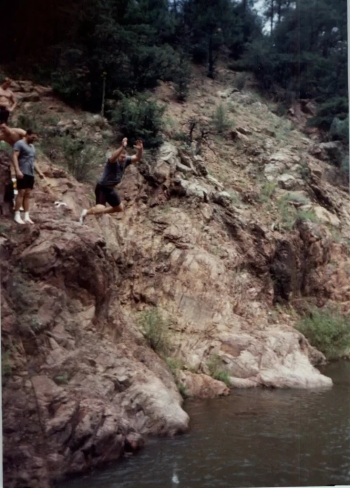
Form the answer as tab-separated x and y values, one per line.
256	437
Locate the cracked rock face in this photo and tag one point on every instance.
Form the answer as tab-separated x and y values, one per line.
83	386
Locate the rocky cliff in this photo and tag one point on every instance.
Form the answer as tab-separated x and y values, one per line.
214	244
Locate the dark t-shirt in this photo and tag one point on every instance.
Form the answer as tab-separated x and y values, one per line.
113	172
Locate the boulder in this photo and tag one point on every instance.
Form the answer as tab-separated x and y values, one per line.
223	198
325	216
201	385
273	359
328	151
286	181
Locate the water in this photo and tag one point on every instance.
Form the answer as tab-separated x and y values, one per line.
252	438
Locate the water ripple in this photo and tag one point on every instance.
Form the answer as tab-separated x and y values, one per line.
291	438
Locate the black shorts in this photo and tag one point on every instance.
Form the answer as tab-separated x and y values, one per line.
107	195
4	115
26	183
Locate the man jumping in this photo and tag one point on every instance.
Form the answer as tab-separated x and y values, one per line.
112	175
7	101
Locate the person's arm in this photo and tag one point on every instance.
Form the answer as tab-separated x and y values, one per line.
14	103
36	168
18	172
138	156
115	156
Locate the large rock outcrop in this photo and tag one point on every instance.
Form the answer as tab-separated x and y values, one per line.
81	384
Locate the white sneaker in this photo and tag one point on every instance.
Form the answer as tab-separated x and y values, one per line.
18	218
82	216
27	220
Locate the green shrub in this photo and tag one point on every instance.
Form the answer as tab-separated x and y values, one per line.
182	136
220	120
182	390
156	331
182	79
240	80
139	118
336	107
174	364
215	366
340	129
81	160
267	191
327	330
61	379
289	214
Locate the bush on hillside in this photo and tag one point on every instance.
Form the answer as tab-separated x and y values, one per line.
182	79
334	108
327	330
139	118
221	120
155	330
79	158
340	129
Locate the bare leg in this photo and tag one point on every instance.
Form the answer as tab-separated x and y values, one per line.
100	210
18	204
26	200
26	204
19	200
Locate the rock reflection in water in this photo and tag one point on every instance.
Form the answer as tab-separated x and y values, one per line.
251	438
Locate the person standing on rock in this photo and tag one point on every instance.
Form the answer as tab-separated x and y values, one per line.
111	177
24	163
7	101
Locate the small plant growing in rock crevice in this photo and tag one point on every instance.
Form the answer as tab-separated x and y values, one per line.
267	191
215	366
176	365
61	379
289	214
327	330
156	330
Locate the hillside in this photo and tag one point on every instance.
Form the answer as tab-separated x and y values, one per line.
214	259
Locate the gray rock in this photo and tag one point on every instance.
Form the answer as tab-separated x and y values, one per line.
183	169
215	182
223	198
288	182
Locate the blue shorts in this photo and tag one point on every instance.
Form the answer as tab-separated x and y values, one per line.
105	194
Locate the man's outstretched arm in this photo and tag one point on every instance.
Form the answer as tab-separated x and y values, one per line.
115	155
138	156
